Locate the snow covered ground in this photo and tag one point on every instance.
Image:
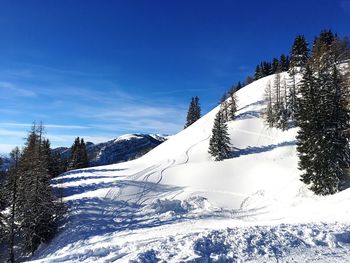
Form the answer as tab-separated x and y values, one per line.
177	205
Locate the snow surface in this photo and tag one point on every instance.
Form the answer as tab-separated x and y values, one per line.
175	204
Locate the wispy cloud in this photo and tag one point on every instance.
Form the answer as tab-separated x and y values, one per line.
12	133
74	103
10	89
28	125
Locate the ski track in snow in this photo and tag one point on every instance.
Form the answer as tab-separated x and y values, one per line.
176	205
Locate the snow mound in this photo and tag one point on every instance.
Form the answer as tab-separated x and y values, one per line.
192	204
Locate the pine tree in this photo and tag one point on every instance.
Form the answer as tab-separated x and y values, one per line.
308	104
197	109
258	73
275	66
194	112
284	63
79	158
84	162
299	54
74	155
334	156
219	144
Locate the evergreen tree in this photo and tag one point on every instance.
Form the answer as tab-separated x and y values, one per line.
275	66
197	109
84	162
299	54
308	104
284	63
74	156
219	144
79	158
266	69
258	73
194	112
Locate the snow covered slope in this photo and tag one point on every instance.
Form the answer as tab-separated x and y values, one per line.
176	204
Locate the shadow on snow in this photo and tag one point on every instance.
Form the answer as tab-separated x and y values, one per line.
253	150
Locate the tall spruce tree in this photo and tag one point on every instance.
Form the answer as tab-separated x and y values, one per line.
284	63
219	144
299	54
197	109
308	106
194	112
275	66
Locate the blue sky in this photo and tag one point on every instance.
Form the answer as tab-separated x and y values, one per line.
98	69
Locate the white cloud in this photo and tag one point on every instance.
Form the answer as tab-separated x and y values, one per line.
10	89
28	125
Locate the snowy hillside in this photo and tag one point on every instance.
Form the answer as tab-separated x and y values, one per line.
177	205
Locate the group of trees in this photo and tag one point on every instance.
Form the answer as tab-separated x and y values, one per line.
78	158
219	143
318	105
29	210
323	116
268	68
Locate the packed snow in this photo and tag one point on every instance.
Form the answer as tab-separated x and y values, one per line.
175	204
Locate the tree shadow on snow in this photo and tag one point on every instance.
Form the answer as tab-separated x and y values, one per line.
91	170
259	102
80	178
248	115
253	150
